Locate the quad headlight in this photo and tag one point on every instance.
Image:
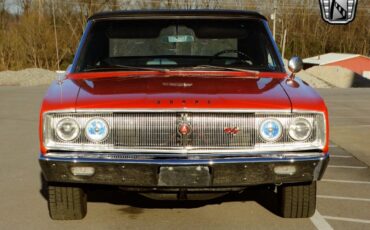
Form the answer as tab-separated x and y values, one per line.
300	129
96	130
271	130
67	129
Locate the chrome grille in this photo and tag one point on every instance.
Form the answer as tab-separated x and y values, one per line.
208	130
158	131
144	130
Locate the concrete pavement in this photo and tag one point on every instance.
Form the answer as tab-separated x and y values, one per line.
343	201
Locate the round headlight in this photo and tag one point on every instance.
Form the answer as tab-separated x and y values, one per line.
67	129
96	130
300	129
271	130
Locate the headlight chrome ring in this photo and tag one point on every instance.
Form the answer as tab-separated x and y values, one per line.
68	129
271	129
96	130
300	129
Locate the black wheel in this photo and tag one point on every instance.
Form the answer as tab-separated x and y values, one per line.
298	200
66	203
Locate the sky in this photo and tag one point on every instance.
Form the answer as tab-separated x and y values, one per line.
12	6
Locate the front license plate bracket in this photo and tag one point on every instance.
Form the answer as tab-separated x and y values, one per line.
184	176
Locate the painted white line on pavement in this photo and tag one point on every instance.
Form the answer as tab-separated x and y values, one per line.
358	99
347	167
351	126
347	219
320	223
340	156
348	117
346	181
343	198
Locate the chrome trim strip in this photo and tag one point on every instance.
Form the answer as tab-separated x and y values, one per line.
231	160
317	172
90	155
184	110
188	150
221	110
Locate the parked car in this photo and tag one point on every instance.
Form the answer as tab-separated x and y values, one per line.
181	104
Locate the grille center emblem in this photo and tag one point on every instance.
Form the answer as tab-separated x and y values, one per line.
231	130
184	129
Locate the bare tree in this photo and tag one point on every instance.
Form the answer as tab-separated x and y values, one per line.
27	39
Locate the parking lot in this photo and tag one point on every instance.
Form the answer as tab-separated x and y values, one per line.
343	194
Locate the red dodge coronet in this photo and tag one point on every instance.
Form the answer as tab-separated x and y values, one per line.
181	105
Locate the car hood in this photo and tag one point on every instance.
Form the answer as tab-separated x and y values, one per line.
181	92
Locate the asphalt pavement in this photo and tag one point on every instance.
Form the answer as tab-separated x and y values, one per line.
349	112
343	194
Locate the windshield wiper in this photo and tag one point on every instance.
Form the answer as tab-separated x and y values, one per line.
125	67
225	68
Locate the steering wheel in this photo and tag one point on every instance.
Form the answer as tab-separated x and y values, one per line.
245	59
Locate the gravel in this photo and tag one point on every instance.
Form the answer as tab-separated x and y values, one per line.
338	77
27	77
331	77
312	80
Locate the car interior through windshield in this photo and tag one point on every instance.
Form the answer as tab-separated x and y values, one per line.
182	44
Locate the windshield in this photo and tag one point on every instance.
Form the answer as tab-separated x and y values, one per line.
177	44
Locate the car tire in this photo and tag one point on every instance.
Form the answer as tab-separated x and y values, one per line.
298	200
66	203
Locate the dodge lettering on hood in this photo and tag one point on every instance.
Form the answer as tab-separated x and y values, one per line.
181	105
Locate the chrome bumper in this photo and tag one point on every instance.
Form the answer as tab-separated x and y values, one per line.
228	171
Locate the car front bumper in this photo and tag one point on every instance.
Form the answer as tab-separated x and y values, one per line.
241	171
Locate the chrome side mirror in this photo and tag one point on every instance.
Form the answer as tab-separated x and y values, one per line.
295	65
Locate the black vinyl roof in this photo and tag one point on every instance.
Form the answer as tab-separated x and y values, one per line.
178	14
